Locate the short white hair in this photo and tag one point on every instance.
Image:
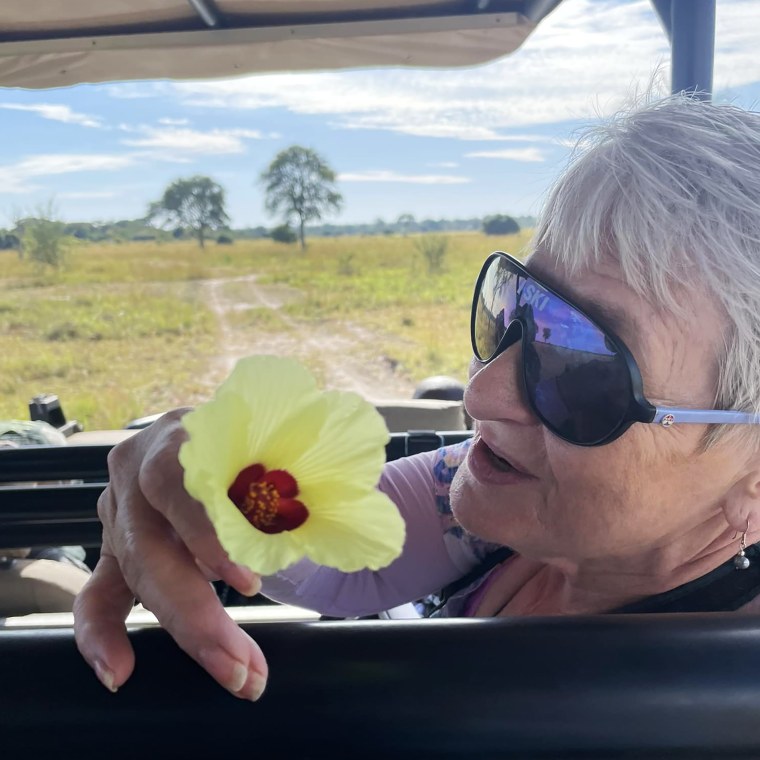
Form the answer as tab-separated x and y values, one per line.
671	189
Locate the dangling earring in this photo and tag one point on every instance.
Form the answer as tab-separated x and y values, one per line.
741	560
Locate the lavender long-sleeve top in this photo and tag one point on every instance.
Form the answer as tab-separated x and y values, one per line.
437	551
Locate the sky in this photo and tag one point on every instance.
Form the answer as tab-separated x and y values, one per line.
451	143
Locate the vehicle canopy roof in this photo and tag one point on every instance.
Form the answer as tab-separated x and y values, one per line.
51	44
47	43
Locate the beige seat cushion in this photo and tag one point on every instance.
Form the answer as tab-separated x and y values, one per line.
38	585
422	414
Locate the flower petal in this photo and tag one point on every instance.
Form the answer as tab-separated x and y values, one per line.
218	443
239	488
272	391
368	533
284	482
349	457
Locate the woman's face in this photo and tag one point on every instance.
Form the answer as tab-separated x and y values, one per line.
650	489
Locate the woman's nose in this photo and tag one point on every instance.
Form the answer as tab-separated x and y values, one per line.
496	390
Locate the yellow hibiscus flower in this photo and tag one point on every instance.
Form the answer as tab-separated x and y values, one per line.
286	471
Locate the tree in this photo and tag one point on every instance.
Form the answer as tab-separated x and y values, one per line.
298	183
500	224
196	203
405	222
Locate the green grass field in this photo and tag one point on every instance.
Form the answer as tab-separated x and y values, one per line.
125	330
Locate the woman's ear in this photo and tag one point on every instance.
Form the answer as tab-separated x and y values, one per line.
741	505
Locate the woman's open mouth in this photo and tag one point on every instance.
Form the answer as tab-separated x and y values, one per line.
488	467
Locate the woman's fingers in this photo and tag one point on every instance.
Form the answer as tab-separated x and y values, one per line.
161	482
100	610
155	540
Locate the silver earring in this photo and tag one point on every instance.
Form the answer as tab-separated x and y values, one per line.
741	560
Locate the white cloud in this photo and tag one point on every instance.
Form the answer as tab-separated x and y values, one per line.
15	177
382	175
526	155
55	112
177	142
444	164
167	121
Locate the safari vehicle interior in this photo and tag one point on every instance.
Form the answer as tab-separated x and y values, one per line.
622	686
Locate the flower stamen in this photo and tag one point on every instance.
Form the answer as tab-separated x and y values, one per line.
265	498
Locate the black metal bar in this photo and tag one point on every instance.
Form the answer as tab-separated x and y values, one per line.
87	533
650	686
693	43
45	503
663	9
45	463
89	463
56	514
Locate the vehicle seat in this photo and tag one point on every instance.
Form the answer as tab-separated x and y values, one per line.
42	579
38	585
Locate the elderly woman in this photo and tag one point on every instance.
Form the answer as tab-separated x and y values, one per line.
598	455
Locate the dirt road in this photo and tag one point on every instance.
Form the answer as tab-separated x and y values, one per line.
340	355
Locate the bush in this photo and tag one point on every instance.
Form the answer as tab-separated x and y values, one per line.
283	234
500	224
225	240
433	248
9	241
44	241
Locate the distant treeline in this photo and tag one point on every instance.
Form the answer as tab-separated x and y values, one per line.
128	230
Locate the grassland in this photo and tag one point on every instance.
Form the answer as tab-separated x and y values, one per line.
126	330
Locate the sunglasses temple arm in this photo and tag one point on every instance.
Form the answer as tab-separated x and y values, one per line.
669	415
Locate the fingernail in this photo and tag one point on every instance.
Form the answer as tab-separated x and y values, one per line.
239	677
253	588
105	676
256	687
245	580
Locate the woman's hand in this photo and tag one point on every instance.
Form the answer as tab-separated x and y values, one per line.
159	546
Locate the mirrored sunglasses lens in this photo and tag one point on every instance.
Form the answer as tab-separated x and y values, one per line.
576	379
493	308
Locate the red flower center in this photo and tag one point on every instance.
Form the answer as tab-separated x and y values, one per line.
266	499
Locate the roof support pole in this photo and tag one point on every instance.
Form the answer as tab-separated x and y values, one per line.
205	11
692	34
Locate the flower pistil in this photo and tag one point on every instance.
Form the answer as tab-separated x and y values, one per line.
266	499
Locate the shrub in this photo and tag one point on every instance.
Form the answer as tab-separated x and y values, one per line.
283	234
225	240
9	241
433	248
44	241
500	224
346	265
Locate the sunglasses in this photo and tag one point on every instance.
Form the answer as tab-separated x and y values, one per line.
581	380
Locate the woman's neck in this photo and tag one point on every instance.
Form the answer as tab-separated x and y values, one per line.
564	587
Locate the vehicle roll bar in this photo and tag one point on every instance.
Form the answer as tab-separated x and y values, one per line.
53	501
623	686
690	27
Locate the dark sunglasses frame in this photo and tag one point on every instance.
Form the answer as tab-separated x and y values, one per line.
637	409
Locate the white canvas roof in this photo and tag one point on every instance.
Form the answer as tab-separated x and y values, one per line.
54	43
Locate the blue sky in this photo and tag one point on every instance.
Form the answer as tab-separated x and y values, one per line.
434	143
